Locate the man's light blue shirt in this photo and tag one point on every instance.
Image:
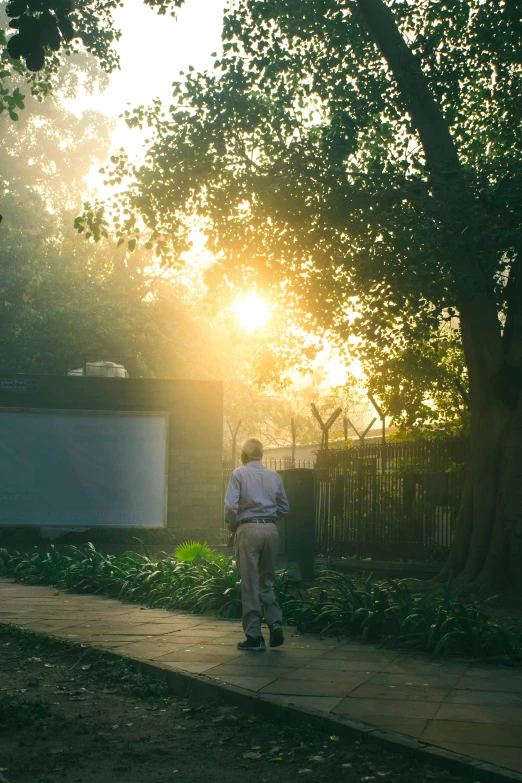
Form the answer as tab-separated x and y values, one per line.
254	491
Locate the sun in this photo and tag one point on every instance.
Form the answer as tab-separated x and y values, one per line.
251	311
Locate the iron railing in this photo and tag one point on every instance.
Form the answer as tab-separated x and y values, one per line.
394	502
397	501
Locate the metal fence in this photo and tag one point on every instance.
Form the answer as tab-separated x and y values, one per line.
395	501
399	501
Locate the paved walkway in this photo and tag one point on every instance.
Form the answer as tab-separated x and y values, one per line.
471	710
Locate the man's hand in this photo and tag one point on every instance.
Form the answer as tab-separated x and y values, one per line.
232	530
230	542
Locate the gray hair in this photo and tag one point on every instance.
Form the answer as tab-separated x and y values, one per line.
253	448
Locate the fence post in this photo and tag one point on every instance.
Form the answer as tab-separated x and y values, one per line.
234	440
382	415
300	522
360	435
325	426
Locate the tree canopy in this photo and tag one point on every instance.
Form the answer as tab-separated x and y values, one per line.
302	159
362	160
61	298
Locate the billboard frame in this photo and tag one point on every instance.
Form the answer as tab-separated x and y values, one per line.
102	412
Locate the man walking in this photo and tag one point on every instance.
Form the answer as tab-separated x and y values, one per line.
254	501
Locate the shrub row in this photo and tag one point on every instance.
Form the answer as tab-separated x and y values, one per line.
197	580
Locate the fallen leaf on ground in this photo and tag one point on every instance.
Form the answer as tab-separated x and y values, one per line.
316	758
334	738
252	755
86	667
304	771
275	750
49	665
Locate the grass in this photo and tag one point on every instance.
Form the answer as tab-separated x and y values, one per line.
197	580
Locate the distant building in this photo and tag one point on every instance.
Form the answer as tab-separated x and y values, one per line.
307	453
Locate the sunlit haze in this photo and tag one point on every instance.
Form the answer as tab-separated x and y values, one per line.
153	50
252	311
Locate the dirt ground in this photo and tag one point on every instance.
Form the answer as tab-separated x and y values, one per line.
70	713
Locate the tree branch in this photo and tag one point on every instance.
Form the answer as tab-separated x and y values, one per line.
463	393
439	148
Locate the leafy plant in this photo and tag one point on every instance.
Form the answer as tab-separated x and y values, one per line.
191	551
384	612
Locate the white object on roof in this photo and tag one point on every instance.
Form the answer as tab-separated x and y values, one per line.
101	370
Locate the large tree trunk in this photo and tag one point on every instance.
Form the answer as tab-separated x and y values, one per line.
479	553
491	512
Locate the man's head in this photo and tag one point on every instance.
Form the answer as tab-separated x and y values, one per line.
252	449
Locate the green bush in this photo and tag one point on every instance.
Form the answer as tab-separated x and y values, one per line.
200	581
389	613
196	585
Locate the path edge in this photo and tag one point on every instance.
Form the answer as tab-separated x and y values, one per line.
200	687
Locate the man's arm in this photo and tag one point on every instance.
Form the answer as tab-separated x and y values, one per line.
232	501
281	500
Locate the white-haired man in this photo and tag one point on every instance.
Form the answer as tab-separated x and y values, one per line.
255	500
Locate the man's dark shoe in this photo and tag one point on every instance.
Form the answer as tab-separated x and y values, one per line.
255	645
276	635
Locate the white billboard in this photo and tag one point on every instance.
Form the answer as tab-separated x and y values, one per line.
61	468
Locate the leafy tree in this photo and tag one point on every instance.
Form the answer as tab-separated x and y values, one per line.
421	380
365	158
49	151
267	413
58	296
38	36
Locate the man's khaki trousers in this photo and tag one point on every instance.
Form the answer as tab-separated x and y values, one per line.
256	550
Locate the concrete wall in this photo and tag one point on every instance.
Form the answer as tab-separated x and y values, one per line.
195	411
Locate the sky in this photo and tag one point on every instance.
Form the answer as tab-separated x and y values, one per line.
153	50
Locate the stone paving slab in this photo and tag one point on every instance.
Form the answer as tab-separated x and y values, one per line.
452	711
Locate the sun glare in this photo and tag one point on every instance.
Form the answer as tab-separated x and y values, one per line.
251	311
